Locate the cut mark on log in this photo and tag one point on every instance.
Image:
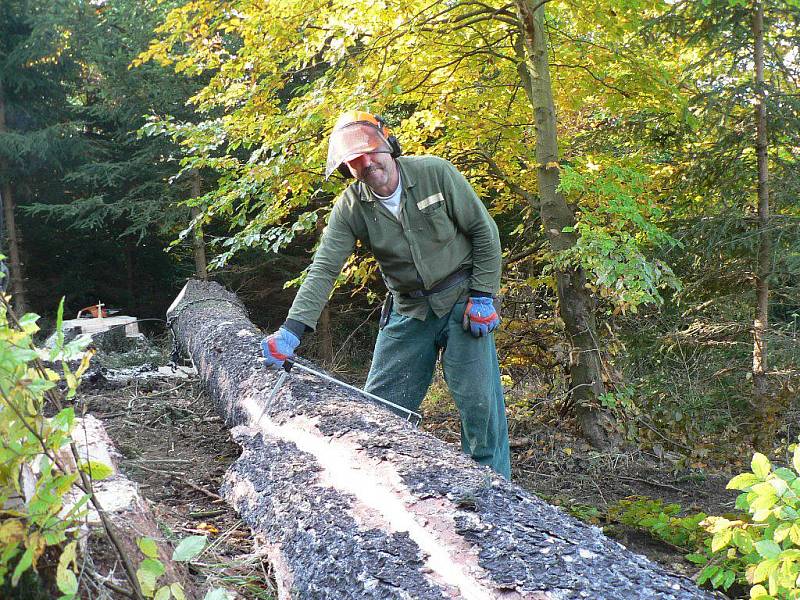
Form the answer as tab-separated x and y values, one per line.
378	488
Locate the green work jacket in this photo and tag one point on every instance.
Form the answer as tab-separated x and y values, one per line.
443	226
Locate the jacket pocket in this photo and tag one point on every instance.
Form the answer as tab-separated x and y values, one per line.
433	212
431	204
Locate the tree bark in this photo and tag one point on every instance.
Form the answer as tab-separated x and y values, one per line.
325	336
575	303
766	411
16	274
198	242
351	501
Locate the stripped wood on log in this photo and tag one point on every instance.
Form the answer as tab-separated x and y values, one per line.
351	501
128	512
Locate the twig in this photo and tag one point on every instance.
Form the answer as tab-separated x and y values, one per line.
352	333
202	514
159	471
163	392
653	483
662	436
208	493
158	460
115	588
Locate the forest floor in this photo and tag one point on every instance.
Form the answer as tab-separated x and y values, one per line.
177	449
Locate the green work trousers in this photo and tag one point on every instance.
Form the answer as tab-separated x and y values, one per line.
402	370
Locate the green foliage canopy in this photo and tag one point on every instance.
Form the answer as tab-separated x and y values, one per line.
446	74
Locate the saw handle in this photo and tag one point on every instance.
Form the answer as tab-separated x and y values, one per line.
287	365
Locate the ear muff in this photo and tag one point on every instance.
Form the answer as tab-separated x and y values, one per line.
344	171
390	137
380	124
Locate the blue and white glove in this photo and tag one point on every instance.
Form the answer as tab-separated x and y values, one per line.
279	346
480	317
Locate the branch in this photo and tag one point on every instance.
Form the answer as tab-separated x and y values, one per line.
595	77
515	258
495	169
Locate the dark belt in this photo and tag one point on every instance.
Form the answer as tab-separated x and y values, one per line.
451	280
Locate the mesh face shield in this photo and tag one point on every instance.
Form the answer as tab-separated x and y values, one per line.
351	141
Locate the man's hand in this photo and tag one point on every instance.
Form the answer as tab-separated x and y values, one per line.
480	318
279	346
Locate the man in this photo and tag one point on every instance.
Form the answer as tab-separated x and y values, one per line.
439	254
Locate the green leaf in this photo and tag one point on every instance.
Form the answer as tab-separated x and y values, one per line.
697	559
764	502
217	594
163	593
67	583
28	323
96	470
768	549
758	591
761	515
789	514
760	465
764	569
796	459
148	573
742	482
177	591
717	580
64	419
59	343
742	503
781	532
22	566
148	547
720	540
189	548
65	579
794	535
707	574
779	485
730	577
743	541
786	474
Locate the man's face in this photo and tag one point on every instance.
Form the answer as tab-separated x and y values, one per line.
377	169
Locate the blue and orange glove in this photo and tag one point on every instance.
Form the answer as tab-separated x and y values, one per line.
279	346
480	317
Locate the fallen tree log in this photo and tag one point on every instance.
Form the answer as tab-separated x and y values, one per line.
351	501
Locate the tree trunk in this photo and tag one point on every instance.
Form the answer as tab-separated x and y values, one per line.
324	335
16	275
129	255
198	242
575	303
765	409
352	501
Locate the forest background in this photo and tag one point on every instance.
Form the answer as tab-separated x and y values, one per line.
639	156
